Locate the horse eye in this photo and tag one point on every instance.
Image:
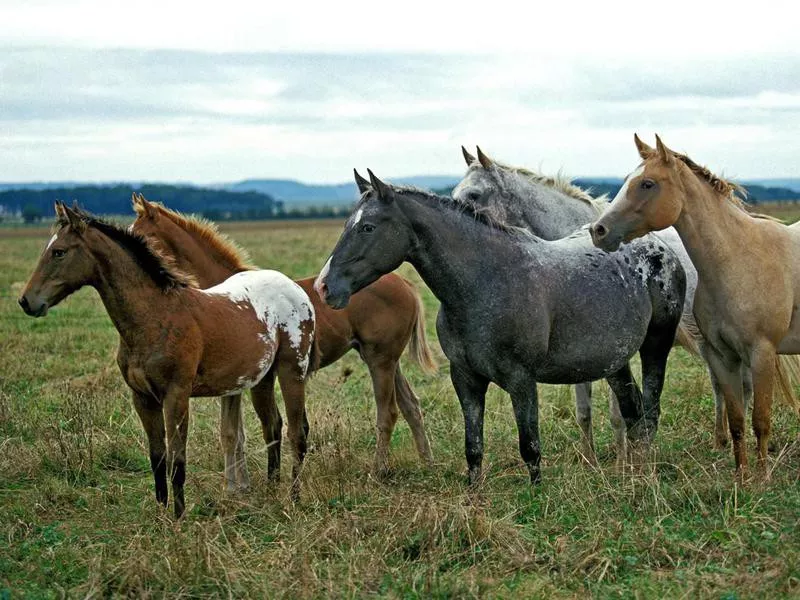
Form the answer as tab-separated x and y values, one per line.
648	184
474	196
368	228
59	253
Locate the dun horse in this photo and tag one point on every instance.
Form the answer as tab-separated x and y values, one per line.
380	322
552	208
178	342
749	275
516	309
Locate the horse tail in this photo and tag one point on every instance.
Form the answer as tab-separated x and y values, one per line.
687	336
787	373
419	350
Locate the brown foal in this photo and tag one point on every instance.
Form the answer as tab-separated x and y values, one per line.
177	341
379	322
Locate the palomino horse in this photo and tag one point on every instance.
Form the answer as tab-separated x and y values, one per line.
552	208
516	309
747	295
381	321
176	341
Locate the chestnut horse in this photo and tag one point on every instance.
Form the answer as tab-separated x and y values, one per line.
749	275
379	323
177	341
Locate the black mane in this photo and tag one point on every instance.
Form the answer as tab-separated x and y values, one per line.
160	268
476	212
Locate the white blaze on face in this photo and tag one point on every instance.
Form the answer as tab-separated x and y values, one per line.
623	191
357	218
321	277
50	243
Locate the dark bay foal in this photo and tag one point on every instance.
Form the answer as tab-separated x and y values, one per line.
177	341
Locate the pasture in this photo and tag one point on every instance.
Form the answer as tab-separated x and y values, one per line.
78	516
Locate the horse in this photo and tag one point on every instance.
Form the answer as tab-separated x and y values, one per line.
747	294
552	207
516	309
383	319
177	341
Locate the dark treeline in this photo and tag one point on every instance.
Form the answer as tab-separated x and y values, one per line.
116	199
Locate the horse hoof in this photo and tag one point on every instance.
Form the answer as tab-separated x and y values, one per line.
720	443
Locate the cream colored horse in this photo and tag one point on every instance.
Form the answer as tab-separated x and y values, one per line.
749	274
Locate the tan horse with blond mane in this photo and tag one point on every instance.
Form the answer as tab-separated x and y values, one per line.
177	341
749	275
380	322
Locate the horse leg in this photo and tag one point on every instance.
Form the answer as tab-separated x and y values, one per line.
176	420
653	353
291	378
620	432
728	369
720	414
231	437
263	397
471	390
763	371
408	403
525	400
383	372
583	412
153	424
242	474
629	401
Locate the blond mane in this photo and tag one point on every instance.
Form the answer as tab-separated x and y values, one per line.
207	231
733	192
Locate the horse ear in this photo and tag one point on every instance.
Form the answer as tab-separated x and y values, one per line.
74	219
361	183
467	156
383	190
59	208
143	207
485	161
645	151
664	153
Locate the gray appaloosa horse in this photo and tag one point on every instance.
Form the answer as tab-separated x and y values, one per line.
516	309
552	208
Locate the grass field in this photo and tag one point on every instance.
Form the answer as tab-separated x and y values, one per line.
78	515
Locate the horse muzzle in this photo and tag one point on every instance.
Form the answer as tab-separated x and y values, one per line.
37	309
604	238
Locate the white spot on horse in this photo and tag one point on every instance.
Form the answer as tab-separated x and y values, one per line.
357	218
623	191
50	243
278	302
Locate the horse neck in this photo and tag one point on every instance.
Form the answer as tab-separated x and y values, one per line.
194	254
548	213
711	228
130	295
455	254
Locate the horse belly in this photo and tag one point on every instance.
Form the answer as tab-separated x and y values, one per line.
585	348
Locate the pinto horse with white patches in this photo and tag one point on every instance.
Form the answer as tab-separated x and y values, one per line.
380	322
177	341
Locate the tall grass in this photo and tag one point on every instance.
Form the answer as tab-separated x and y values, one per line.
78	516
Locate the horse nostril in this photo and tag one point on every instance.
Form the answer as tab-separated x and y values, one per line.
23	303
600	231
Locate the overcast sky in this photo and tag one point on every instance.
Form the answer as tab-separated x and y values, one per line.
172	91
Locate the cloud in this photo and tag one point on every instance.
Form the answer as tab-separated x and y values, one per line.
206	116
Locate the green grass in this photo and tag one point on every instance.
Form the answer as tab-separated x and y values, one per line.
78	516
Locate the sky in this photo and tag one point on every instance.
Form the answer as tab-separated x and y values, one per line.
172	91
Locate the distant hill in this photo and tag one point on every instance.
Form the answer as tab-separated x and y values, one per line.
296	193
260	198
